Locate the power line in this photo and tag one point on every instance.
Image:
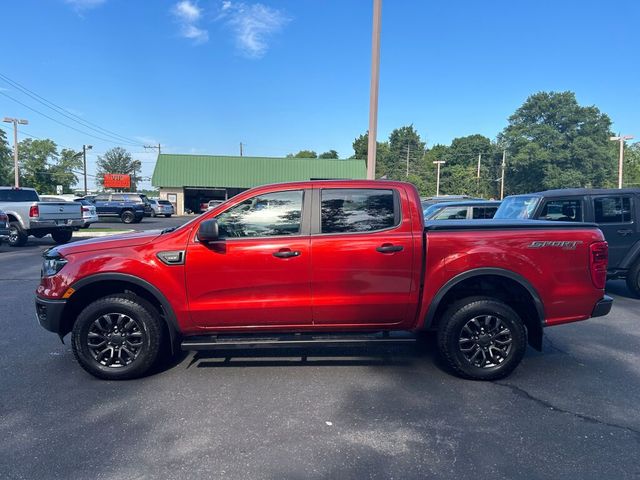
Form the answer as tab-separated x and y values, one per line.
64	124
62	111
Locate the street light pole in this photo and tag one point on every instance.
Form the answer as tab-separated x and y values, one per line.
621	139
373	94
15	121
478	176
84	159
438	163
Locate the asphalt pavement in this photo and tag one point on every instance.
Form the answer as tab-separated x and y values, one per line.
568	412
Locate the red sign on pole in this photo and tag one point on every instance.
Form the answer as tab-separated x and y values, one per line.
117	180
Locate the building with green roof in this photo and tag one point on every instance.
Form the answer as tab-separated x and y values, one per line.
188	181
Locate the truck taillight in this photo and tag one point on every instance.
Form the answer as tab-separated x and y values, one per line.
86	209
34	211
598	260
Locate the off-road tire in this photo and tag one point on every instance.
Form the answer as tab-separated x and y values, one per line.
450	334
148	323
61	236
17	236
167	215
633	278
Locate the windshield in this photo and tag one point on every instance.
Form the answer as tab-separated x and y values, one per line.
520	207
430	210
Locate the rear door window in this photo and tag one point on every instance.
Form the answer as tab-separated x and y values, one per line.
117	197
451	213
358	210
562	210
484	213
612	209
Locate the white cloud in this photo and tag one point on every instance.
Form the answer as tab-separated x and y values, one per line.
253	25
187	11
187	14
84	4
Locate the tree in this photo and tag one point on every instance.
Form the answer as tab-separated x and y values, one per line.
6	160
404	144
64	171
35	158
118	160
553	142
329	154
303	154
631	169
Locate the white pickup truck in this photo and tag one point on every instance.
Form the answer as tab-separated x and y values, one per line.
29	216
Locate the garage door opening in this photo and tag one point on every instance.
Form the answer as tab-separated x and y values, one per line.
196	199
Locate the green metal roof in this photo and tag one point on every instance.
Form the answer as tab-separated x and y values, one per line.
245	172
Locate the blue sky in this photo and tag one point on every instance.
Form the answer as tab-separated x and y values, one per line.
280	76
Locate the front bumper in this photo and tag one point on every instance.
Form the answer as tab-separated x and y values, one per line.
49	315
603	307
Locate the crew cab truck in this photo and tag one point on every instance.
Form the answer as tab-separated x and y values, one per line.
29	216
615	211
330	262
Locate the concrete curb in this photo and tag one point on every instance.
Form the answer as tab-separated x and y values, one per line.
89	234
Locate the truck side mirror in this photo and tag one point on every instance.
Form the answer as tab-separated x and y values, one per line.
208	231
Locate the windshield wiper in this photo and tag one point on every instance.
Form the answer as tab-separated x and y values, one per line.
167	230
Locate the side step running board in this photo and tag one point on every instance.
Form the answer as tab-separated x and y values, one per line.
224	342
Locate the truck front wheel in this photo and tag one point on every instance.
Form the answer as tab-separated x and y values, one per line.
17	236
117	337
481	338
61	236
633	278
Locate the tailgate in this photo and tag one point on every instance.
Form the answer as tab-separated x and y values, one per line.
59	210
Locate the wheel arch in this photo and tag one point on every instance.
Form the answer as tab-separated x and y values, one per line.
506	285
99	285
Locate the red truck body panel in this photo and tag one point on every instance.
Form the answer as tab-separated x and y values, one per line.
338	281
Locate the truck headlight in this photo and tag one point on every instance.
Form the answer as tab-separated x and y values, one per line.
53	263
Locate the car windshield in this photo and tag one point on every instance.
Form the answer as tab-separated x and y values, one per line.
430	210
520	207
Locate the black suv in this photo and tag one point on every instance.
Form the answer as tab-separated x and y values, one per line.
617	213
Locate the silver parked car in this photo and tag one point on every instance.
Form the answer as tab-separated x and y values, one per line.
89	214
161	207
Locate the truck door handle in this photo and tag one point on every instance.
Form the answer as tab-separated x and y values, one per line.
286	253
389	248
625	232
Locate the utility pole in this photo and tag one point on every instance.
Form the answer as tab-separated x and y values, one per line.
621	139
155	147
240	148
16	121
478	177
408	150
438	163
504	160
84	160
373	94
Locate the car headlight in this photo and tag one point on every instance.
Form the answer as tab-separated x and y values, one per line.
53	263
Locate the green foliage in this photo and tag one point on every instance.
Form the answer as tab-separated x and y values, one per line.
118	160
42	168
553	142
631	170
304	154
329	154
6	160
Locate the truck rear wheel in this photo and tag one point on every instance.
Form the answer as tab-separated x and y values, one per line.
633	278
17	236
61	236
117	337
482	338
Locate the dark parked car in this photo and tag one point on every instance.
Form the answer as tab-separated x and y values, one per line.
466	210
617	213
428	201
127	206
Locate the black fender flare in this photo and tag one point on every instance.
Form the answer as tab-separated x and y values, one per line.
630	258
169	314
499	272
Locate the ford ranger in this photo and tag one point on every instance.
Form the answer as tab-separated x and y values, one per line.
323	262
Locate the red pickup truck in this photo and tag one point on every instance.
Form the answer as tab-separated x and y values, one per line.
323	262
